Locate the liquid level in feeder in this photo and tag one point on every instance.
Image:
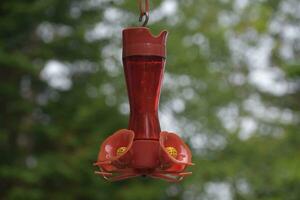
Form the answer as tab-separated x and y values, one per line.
144	77
143	149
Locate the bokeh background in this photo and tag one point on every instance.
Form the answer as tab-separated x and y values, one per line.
231	90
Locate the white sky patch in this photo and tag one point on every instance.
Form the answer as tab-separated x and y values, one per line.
48	31
111	26
291	7
100	3
112	62
240	5
109	91
259	55
229	116
166	9
57	75
255	106
248	127
202	142
228	19
262	74
199	141
178	105
243	187
100	31
168	121
124	108
290	35
181	85
199	40
288	31
237	78
218	191
269	80
188	93
169	82
177	82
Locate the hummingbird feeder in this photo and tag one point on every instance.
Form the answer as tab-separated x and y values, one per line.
143	149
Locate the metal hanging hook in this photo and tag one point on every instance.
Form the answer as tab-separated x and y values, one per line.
144	12
146	18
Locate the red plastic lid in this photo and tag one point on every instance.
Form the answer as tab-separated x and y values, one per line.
140	41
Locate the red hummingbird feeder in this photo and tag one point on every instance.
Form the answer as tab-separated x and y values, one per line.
143	149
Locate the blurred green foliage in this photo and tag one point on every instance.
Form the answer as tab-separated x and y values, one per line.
244	136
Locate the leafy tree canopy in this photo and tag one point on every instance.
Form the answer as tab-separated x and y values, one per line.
231	90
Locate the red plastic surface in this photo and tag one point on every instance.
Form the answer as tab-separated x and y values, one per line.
143	150
108	157
144	78
184	155
145	155
139	41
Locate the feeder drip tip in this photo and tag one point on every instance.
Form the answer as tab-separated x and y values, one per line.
144	12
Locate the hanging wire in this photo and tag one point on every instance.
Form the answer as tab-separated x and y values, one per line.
144	11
